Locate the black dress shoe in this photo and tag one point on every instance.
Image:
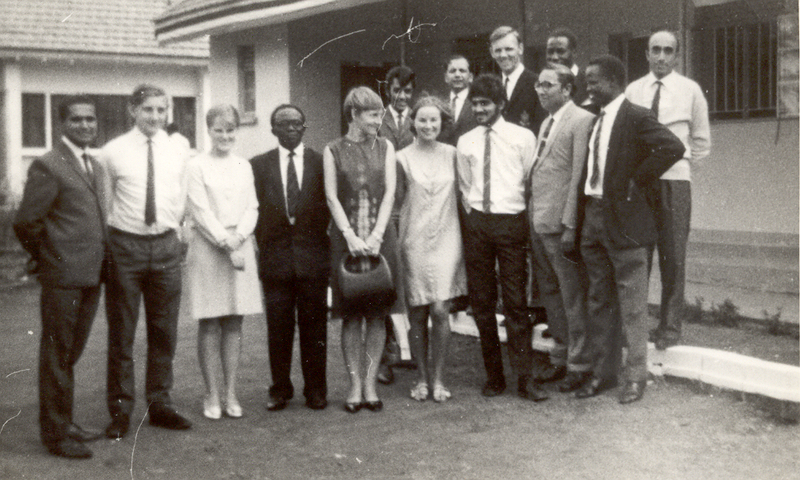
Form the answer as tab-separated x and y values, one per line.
375	406
69	448
663	343
573	381
551	373
632	392
165	416
493	389
594	387
316	402
531	390
353	407
385	374
277	404
118	427
80	435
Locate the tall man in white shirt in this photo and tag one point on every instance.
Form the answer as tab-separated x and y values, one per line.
147	193
458	78
494	159
679	104
628	151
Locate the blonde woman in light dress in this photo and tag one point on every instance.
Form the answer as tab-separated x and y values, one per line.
430	243
223	282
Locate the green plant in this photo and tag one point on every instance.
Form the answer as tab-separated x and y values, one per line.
725	314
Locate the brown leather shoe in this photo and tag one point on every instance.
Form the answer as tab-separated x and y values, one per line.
632	392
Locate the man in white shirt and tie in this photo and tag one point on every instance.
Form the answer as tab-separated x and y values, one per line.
494	160
458	78
147	197
679	104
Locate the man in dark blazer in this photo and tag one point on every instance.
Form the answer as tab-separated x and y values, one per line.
61	223
294	257
552	212
522	107
561	47
628	152
396	126
458	78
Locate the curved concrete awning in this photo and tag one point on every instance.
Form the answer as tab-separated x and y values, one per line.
194	18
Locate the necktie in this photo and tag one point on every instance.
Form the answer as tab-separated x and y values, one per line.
543	138
596	156
505	87
453	105
656	98
88	165
292	188
150	195
487	173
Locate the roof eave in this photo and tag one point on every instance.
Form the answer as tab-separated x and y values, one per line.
45	55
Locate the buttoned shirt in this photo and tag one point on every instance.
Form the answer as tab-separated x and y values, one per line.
77	151
513	77
283	155
683	109
125	159
609	116
512	152
396	115
460	98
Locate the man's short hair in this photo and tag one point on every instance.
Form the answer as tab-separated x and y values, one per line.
490	86
222	110
501	32
611	68
360	99
403	74
68	102
284	106
145	91
457	56
674	35
564	74
567	33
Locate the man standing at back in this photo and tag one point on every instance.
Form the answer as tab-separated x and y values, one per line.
294	257
679	104
458	78
147	189
561	47
61	223
522	105
396	126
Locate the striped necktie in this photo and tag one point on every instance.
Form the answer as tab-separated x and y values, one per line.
487	172
596	157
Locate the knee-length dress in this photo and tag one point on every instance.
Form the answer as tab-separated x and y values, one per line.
222	200
361	184
430	235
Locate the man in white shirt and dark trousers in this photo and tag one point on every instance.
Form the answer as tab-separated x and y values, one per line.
494	159
147	192
679	104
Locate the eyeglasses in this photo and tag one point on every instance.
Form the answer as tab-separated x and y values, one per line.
545	85
297	124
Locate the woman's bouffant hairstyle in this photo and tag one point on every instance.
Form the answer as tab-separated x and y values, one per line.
360	99
427	100
223	110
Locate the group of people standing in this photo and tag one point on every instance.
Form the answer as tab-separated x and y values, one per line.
457	197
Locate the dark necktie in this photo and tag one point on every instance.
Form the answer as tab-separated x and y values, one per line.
656	99
453	104
487	173
292	188
150	195
596	157
88	165
543	138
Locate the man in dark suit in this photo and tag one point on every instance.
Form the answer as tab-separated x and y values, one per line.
522	106
396	126
61	223
458	78
628	151
552	212
294	257
561	47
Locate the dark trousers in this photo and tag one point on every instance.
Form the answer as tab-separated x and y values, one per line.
149	268
562	290
67	316
617	292
492	239
308	298
672	210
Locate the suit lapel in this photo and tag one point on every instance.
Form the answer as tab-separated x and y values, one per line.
562	123
274	174
75	163
615	139
308	177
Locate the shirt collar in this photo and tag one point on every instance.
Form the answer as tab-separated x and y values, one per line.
158	137
78	151
514	76
613	106
396	114
560	112
298	151
651	78
574	69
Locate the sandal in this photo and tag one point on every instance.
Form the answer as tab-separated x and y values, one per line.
440	393
420	392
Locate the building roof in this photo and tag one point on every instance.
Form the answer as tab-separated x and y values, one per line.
192	18
117	27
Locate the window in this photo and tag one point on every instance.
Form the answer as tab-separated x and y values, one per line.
112	117
735	60
33	121
247	82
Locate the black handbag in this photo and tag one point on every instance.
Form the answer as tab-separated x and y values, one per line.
366	284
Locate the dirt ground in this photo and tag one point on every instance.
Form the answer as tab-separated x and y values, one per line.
677	431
